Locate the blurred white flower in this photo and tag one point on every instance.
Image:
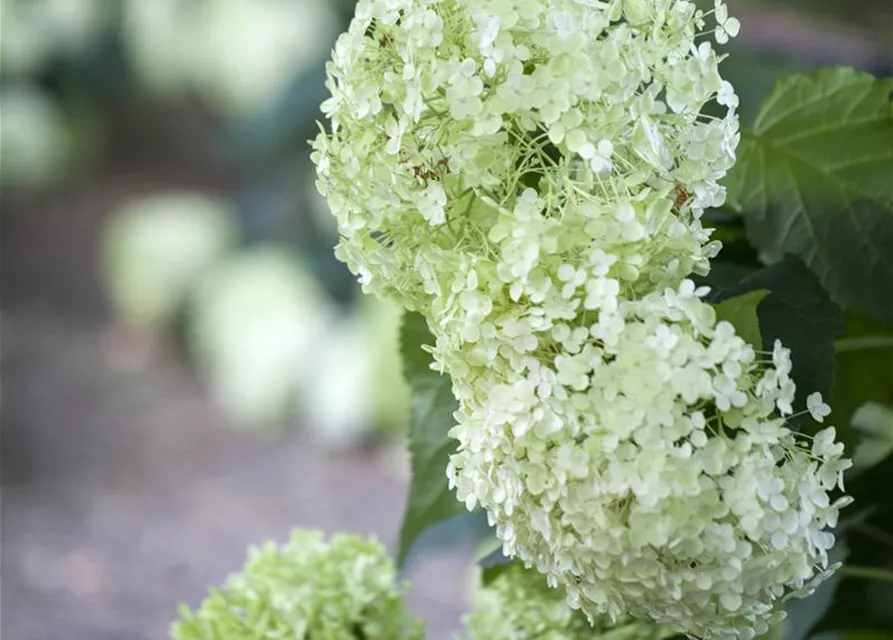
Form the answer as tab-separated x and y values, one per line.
249	50
156	248
256	324
238	54
33	31
34	140
273	348
336	395
874	422
158	38
357	384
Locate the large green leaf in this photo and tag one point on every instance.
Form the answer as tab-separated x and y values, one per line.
815	178
430	500
799	313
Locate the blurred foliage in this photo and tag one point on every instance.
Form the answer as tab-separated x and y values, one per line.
33	136
863	395
874	15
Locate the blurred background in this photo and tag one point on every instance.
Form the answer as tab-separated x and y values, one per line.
186	369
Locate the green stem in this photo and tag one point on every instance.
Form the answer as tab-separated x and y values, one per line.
860	344
879	535
867	573
729	210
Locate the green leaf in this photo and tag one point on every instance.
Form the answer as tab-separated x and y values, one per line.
753	73
741	311
798	312
430	500
813	178
494	564
737	260
864	367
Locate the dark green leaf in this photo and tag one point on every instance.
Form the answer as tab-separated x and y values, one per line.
798	312
493	565
430	499
741	311
864	368
753	74
723	275
814	179
737	260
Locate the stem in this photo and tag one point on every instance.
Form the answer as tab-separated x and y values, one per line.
860	344
870	531
730	211
867	573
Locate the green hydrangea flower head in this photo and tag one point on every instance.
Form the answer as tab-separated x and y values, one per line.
519	604
343	589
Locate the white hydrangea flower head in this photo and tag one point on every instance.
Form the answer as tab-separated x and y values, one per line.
499	139
648	470
518	603
530	175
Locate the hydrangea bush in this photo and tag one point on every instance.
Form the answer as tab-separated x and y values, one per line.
533	180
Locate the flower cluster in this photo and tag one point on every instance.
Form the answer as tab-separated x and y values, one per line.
531	175
309	588
519	604
480	145
648	470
